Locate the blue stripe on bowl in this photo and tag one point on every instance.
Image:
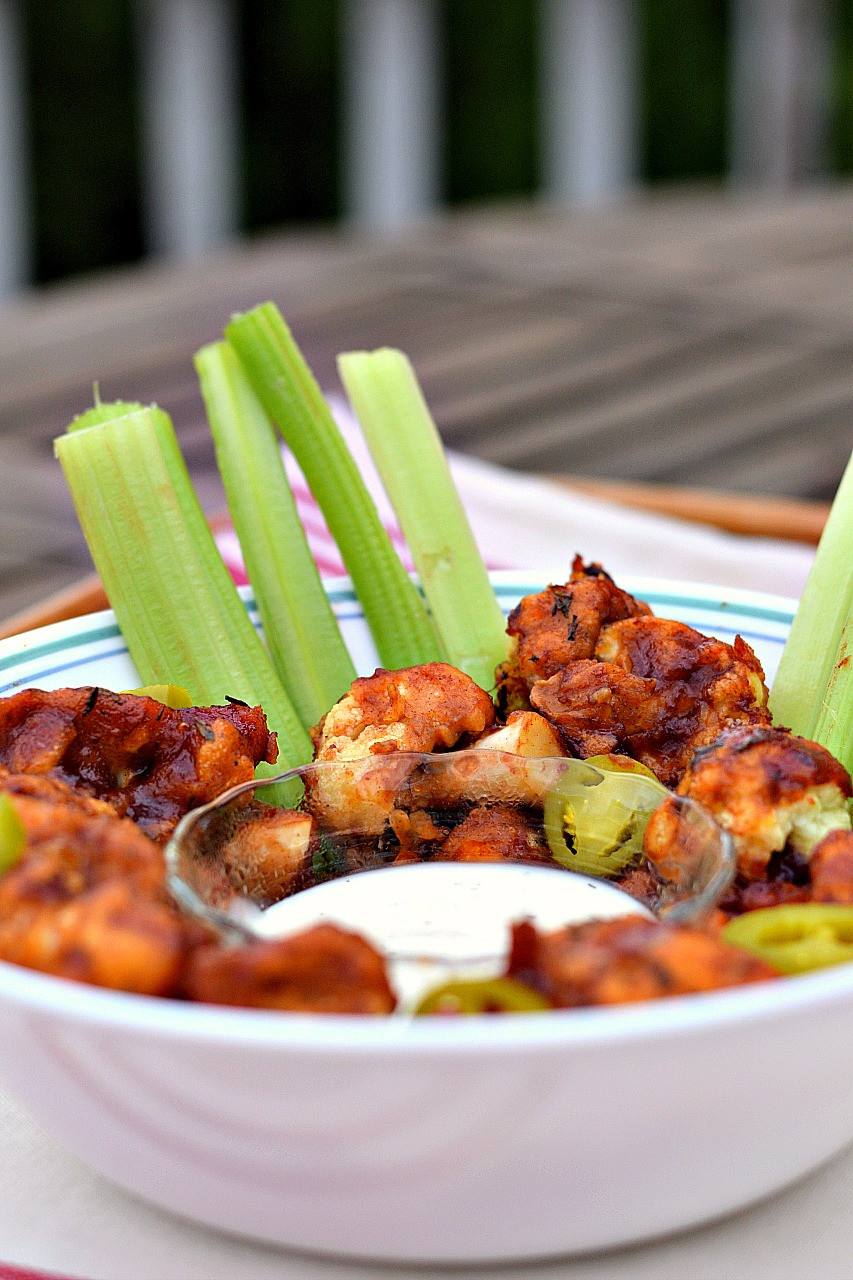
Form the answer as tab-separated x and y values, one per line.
108	632
347	609
29	681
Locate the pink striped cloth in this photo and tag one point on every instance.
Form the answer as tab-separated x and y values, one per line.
524	522
17	1273
322	544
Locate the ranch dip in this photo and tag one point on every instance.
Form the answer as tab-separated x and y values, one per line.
444	920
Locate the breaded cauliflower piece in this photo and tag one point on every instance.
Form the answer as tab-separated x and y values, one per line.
770	789
268	853
425	708
656	690
87	898
831	867
627	959
557	626
506	765
499	834
147	761
323	969
429	708
525	734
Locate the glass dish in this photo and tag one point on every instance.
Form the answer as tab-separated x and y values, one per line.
395	809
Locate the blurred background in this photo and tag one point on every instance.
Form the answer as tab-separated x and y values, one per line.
614	236
136	126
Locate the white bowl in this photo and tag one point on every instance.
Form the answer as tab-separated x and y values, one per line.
441	1140
435	1140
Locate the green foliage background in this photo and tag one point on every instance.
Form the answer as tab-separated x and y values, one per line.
84	122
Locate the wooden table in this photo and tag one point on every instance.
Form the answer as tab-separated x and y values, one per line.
700	341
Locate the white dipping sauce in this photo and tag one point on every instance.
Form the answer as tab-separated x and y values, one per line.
441	920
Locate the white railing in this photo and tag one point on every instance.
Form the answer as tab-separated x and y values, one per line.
393	104
590	125
781	58
188	90
392	110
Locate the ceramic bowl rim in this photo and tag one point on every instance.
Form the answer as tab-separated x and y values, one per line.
358	1034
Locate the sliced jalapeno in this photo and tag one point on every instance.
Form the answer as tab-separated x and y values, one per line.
797	937
13	835
598	828
483	995
173	696
616	763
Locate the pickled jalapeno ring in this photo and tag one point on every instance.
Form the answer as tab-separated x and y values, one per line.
484	995
174	696
795	938
617	763
597	828
13	835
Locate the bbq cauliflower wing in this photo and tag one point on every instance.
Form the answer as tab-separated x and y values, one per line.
831	867
627	959
87	898
324	969
770	789
264	852
148	762
558	626
383	718
656	690
498	834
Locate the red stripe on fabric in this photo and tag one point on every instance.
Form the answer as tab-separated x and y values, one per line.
331	568
315	527
19	1273
303	495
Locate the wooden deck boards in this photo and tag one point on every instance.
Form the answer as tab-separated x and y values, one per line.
697	340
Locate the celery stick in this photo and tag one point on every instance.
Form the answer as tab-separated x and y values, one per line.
387	399
834	724
178	609
101	412
813	690
286	387
299	626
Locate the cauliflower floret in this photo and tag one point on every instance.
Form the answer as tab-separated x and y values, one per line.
627	959
87	898
499	834
147	761
500	769
428	708
323	969
557	626
831	866
771	790
269	853
524	734
656	691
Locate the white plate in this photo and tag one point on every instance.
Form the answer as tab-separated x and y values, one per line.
442	1139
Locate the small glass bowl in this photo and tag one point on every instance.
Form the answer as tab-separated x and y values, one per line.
386	810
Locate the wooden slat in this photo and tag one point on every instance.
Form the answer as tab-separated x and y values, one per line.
692	341
756	516
84	596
